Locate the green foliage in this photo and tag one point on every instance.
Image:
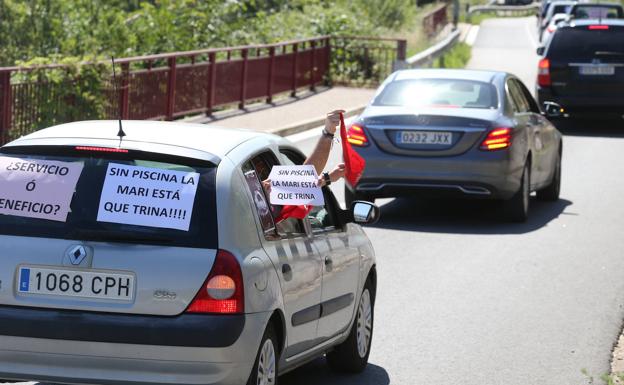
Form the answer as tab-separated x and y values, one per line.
71	92
457	57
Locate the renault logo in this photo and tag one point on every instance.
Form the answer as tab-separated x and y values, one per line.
76	254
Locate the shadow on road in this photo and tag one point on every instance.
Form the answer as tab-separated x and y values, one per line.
318	372
464	216
608	128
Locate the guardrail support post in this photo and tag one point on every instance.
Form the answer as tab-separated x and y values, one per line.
243	91
5	106
269	98
171	84
313	66
294	70
124	96
212	76
401	50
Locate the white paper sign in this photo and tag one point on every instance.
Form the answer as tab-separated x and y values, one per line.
36	188
148	196
295	185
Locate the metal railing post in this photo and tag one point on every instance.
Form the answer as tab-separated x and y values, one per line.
328	53
5	106
294	70
124	97
401	50
171	84
212	76
269	98
243	90
313	66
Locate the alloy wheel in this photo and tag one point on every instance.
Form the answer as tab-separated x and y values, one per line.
364	324
266	364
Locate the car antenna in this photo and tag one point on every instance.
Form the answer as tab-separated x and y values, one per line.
121	132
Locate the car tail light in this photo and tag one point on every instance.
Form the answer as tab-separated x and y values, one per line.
357	136
598	27
100	149
543	73
223	291
497	139
551	28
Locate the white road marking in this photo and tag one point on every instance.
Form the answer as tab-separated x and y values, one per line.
531	37
471	38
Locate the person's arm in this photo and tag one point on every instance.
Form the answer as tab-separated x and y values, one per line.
334	175
318	157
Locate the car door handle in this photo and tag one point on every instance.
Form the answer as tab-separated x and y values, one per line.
286	269
328	261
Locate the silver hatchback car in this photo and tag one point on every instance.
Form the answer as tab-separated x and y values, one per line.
156	259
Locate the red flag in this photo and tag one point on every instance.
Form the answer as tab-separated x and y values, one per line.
290	211
354	163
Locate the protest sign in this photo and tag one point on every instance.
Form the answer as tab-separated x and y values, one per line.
295	185
37	188
145	196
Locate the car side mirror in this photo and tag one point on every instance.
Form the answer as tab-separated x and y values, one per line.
553	110
540	50
365	212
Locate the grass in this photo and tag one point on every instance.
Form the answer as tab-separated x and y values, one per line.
457	57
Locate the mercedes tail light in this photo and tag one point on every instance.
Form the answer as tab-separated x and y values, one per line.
543	73
497	139
223	291
356	136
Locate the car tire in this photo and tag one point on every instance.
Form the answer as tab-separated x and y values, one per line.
351	196
516	209
264	371
351	356
551	192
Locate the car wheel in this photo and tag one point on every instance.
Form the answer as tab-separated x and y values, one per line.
517	208
351	196
264	371
551	192
351	356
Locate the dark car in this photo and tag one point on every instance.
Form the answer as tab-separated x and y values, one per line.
582	68
463	133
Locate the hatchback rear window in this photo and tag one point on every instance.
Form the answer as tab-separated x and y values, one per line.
583	43
442	93
127	197
587	11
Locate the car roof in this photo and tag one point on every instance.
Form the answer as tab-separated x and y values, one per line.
214	140
476	75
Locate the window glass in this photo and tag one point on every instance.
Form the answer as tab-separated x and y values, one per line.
322	217
533	107
128	225
262	165
443	93
516	93
582	44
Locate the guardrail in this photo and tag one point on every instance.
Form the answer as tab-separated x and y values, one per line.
508	9
168	86
428	56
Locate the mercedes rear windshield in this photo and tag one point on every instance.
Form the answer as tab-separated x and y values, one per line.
604	42
109	195
438	93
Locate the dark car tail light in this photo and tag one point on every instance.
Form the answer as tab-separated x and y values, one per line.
357	136
543	73
223	290
598	27
497	139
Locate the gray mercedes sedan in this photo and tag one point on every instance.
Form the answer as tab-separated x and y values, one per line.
465	133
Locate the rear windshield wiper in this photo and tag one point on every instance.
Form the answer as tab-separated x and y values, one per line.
117	236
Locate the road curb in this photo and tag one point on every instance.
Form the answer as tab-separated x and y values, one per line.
308	124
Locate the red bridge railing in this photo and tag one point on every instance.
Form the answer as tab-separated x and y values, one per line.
169	86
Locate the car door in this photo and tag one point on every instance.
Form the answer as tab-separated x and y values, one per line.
298	266
341	266
546	137
529	125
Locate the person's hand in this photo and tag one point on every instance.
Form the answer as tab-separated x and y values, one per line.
266	184
337	173
333	120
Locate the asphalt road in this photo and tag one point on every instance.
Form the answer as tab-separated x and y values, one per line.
466	299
